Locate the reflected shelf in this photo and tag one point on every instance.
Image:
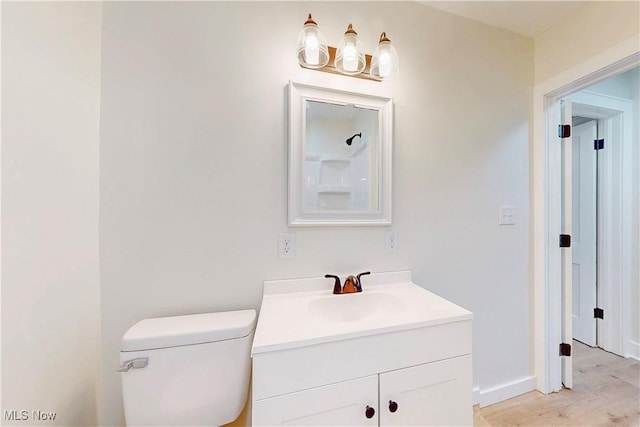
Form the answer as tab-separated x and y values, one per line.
333	189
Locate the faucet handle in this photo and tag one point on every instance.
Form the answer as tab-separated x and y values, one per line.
359	282
350	285
337	288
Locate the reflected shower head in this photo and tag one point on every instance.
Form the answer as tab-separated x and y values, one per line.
349	141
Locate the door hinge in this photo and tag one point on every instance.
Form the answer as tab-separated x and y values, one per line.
598	313
564	131
598	144
565	349
565	241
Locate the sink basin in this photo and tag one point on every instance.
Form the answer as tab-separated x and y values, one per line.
297	313
356	306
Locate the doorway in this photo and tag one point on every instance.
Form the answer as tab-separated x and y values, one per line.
596	212
551	327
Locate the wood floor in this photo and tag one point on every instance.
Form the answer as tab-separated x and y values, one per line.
605	393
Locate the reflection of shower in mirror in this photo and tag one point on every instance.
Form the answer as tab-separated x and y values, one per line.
357	145
339	157
349	141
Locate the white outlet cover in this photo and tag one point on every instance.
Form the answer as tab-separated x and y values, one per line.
287	245
391	242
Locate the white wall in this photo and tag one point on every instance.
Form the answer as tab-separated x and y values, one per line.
50	277
193	166
620	86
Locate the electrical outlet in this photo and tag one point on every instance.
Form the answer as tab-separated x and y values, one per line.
391	242
287	245
507	215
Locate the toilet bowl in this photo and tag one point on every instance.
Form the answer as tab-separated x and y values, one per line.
187	370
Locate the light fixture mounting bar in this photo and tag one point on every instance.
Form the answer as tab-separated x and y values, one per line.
330	67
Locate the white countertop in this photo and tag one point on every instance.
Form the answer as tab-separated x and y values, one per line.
286	320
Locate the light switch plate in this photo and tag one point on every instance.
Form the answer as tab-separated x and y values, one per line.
507	215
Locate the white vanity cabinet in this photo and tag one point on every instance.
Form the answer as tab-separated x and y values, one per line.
344	403
408	362
432	394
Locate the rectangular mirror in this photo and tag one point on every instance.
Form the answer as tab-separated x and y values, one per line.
339	157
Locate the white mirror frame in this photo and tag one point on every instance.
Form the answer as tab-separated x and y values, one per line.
298	95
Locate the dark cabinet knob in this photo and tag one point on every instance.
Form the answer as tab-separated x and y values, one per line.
393	406
370	412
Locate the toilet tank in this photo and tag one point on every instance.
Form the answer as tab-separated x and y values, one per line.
187	370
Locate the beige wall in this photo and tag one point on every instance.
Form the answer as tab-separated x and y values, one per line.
192	188
50	138
194	166
592	29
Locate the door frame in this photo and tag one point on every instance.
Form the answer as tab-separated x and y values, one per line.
547	201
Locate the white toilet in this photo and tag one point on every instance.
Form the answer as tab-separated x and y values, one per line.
187	370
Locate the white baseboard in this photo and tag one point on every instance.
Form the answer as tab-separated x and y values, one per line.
476	395
502	392
633	350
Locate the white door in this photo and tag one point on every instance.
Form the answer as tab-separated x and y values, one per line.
566	252
433	394
584	232
348	403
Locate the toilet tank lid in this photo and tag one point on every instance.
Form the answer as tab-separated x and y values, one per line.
162	332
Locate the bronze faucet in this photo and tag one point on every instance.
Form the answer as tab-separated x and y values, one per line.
352	283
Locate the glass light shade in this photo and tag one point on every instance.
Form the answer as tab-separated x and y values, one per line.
349	56
385	61
312	47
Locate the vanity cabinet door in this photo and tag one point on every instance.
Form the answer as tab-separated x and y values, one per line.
433	394
339	404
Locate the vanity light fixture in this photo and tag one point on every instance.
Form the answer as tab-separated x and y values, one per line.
312	47
348	59
385	61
